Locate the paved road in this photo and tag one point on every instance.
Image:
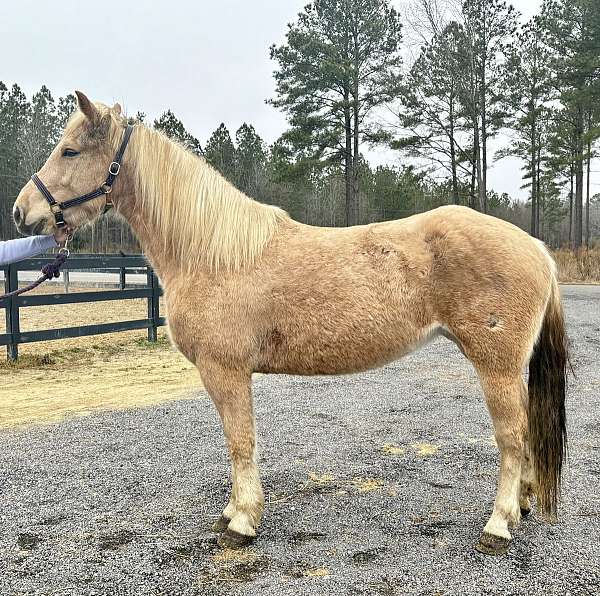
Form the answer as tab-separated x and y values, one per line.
378	484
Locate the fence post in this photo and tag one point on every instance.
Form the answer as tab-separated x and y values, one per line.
122	278
153	304
12	312
66	280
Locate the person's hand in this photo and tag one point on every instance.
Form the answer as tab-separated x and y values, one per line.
61	235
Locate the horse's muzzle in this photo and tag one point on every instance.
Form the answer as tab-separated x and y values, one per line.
39	227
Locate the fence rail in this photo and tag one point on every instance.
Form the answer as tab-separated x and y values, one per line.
103	263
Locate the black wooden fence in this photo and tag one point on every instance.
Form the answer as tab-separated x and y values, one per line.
97	263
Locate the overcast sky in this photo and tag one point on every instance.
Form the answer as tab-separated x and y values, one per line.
208	61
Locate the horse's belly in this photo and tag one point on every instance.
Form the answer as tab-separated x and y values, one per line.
341	355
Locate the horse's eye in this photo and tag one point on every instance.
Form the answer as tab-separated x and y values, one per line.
70	153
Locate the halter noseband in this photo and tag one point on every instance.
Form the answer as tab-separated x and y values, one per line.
105	189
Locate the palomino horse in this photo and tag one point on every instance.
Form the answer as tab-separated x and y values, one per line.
248	290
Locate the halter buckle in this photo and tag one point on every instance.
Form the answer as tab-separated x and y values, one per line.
59	218
106	188
114	168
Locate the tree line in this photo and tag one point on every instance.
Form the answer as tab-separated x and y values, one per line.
31	128
434	87
475	71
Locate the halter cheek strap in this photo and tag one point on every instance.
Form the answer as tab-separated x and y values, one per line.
105	189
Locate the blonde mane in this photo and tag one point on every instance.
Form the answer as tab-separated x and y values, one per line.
203	218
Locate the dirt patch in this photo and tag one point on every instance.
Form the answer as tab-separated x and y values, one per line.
236	566
196	552
28	541
115	540
303	537
304	570
362	558
434	528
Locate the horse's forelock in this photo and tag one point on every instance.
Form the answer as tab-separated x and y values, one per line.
108	127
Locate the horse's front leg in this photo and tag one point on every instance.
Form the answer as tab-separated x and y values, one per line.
231	393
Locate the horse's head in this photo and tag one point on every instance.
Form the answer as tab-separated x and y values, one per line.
77	165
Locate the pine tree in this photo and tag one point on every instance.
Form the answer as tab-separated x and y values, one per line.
66	106
220	152
430	114
340	60
489	26
174	129
572	34
15	113
527	94
41	132
250	158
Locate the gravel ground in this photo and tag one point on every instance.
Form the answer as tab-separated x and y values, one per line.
376	484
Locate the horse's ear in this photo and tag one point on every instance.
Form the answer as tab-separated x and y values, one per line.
87	107
117	109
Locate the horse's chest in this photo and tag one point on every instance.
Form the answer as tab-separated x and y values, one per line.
205	324
185	324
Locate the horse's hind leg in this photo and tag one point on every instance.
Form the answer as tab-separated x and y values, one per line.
504	397
527	481
527	489
231	393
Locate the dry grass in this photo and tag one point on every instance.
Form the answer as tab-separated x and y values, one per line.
77	376
578	266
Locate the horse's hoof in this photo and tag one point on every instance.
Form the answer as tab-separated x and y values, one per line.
220	525
492	545
232	539
525	512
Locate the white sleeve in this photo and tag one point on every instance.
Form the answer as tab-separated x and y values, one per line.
21	248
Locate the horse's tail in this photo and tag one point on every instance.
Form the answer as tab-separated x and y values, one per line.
547	389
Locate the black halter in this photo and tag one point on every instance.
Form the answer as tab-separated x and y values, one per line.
105	189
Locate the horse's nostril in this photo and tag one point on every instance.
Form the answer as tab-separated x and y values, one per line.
17	215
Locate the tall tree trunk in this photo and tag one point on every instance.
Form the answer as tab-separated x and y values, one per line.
356	123
571	208
483	110
578	235
483	167
356	158
477	155
455	197
472	196
533	168
348	166
587	196
538	193
355	177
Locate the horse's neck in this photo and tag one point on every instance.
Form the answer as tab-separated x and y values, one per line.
186	216
151	243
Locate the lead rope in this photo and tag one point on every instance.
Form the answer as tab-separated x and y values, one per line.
49	271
